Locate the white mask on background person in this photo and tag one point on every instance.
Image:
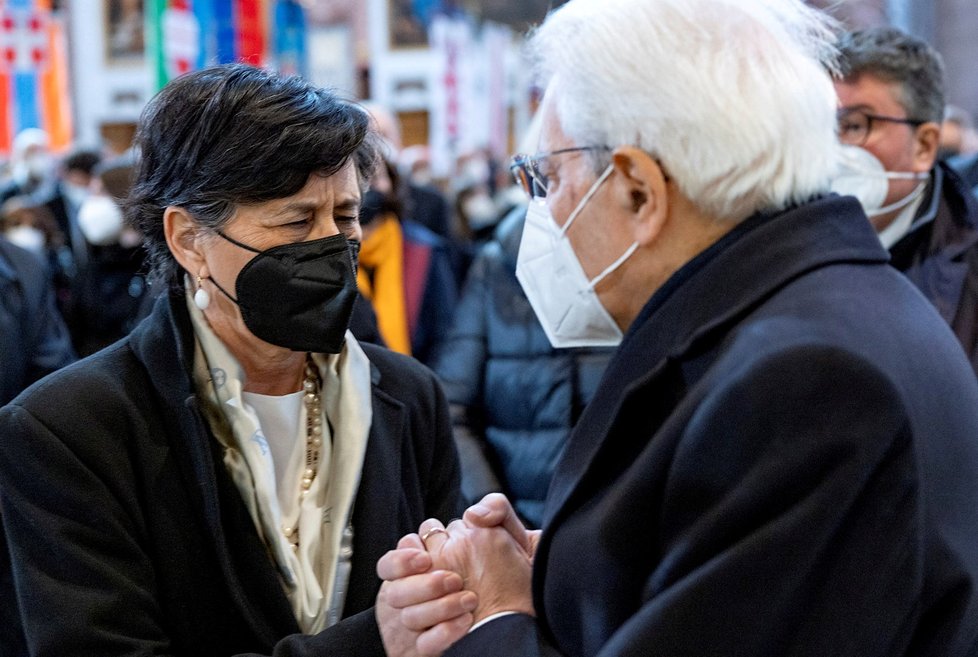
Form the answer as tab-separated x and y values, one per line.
480	211
100	220
555	284
26	237
862	175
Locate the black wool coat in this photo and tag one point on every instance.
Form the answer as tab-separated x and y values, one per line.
127	536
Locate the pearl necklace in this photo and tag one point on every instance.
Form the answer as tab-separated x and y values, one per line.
314	439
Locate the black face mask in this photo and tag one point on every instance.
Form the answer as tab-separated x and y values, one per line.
299	296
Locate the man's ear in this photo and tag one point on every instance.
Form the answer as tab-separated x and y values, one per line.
183	237
927	140
642	189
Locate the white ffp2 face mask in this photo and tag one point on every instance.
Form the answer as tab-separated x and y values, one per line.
862	175
27	237
100	220
555	283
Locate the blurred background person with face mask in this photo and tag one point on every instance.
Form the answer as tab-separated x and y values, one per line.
33	338
405	270
33	227
891	98
110	290
64	198
31	165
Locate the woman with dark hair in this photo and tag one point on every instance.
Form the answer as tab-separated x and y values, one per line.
229	474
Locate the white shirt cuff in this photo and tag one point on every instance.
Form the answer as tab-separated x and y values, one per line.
491	617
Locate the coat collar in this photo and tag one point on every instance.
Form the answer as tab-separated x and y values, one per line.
165	345
708	295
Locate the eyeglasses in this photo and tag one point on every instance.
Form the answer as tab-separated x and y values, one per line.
855	125
529	174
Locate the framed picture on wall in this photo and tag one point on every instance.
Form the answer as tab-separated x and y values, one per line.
124	32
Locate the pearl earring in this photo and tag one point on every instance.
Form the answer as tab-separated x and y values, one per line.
201	297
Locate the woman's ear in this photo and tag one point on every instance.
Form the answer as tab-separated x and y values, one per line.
642	189
183	237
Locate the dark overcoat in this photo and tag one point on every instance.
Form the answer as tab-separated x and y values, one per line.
128	536
781	460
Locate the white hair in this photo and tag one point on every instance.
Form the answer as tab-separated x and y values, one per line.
733	97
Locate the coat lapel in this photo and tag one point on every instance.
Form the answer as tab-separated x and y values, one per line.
165	345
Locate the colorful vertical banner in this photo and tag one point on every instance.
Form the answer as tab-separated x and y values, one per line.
290	38
186	35
450	39
33	73
251	29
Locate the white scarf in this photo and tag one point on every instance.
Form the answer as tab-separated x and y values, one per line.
315	577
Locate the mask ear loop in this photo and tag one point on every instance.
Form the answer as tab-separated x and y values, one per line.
905	201
587	197
580	206
613	266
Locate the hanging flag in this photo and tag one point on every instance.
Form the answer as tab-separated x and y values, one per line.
450	39
187	35
290	38
173	39
250	20
33	74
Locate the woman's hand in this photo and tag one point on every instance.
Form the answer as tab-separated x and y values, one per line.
420	611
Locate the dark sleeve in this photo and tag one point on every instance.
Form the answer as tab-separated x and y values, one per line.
46	345
437	305
789	525
355	636
461	367
79	573
50	347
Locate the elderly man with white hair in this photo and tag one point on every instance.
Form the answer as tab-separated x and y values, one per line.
782	456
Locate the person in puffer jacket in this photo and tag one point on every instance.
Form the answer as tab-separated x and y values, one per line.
514	398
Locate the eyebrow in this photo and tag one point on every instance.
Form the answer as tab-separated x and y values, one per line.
862	107
348	205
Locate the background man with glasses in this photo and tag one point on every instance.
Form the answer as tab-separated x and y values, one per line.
781	457
891	98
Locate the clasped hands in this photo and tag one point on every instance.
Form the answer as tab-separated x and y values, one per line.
435	589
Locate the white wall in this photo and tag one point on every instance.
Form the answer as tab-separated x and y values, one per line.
102	92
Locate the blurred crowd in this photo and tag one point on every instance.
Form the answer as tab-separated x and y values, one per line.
436	280
724	374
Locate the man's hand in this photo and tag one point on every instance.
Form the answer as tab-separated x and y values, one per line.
420	611
490	561
494	510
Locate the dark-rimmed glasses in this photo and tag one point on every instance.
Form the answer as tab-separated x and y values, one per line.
856	124
529	174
